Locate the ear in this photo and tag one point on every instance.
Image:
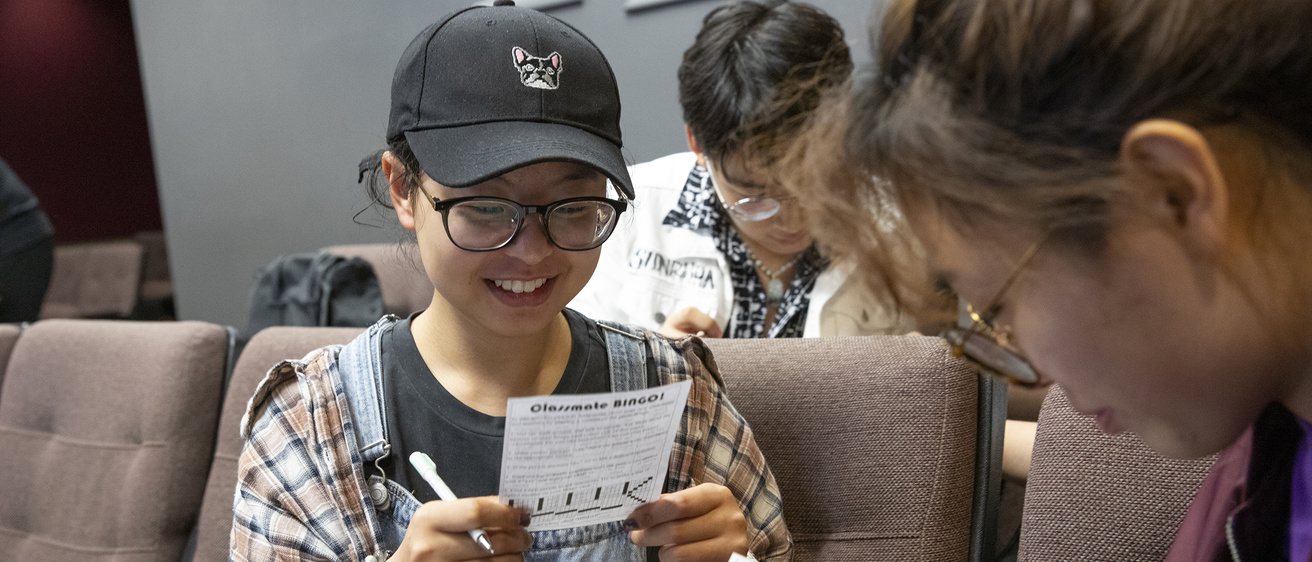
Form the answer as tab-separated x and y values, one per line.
519	54
1178	175
399	190
555	60
692	145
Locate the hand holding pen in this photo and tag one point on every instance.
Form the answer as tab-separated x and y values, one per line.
447	529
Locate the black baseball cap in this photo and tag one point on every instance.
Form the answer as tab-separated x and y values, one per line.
489	89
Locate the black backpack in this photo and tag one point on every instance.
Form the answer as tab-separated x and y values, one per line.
315	289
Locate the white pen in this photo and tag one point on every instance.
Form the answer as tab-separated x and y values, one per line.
428	469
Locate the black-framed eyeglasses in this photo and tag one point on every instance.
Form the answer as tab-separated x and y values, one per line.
752	209
484	224
989	347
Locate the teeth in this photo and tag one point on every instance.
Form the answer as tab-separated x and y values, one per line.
517	286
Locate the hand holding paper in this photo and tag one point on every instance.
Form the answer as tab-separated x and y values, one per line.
700	523
584	459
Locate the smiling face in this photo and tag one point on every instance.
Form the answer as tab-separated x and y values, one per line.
516	290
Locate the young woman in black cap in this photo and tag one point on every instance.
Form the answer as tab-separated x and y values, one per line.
498	114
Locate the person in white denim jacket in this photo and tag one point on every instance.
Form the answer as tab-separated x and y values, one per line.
713	245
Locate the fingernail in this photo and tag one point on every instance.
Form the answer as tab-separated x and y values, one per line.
630	525
525	519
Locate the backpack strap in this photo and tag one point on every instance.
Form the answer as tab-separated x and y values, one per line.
626	348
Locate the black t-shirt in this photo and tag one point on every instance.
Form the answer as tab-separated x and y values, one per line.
463	442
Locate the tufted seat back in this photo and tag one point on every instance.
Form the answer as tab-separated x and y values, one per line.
8	337
100	280
1098	497
106	429
269	347
871	439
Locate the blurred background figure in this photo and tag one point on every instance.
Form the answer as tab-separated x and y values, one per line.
27	250
714	246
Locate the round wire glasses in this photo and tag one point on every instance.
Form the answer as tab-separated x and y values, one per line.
988	347
990	351
750	209
483	224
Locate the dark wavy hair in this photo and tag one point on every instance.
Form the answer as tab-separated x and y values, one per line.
754	70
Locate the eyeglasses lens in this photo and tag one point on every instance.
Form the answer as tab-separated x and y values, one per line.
480	225
486	225
754	209
581	225
993	356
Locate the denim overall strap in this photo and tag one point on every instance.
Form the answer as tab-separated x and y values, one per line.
626	348
627	351
357	378
360	369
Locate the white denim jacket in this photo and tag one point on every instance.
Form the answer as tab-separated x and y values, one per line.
649	270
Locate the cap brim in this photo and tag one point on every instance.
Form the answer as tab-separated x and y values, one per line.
472	154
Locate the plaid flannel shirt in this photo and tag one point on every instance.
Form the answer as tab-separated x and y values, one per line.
301	491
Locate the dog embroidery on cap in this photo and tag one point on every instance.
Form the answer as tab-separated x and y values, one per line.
538	72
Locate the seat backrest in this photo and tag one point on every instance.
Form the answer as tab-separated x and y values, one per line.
106	430
406	288
8	338
266	349
1095	497
94	281
156	281
872	441
65	283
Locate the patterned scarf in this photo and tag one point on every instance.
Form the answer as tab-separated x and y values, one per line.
700	211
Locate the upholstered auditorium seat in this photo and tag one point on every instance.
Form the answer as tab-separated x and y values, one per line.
8	337
106	431
100	280
156	279
265	349
1095	497
872	441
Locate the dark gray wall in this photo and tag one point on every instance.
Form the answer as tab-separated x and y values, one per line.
260	112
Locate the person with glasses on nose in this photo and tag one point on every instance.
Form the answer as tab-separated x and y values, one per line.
1122	192
717	248
504	160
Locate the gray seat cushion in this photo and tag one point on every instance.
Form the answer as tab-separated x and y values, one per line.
106	430
101	280
265	349
1095	497
8	338
872	441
